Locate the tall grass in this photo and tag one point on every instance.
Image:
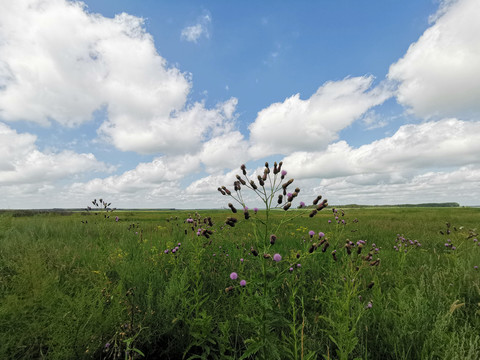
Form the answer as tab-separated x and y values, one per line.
84	286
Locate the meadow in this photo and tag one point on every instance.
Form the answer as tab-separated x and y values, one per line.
371	283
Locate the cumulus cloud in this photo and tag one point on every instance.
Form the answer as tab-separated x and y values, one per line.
156	177
58	62
439	76
459	185
448	143
22	163
194	32
313	123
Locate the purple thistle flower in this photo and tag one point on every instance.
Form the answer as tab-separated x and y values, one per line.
174	251
241	260
299	265
302	204
321	235
214	254
454	248
166	251
107	345
116	219
311	233
291	269
475	267
277	257
284	172
255	210
369	305
233	276
243	283
329	221
190	220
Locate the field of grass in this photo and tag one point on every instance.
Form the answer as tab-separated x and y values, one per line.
82	286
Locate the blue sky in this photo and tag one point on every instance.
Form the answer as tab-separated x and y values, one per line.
157	103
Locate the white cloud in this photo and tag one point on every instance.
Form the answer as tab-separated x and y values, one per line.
22	163
60	63
297	124
156	177
439	76
461	185
445	144
194	32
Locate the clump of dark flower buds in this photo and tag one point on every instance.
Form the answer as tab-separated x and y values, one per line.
253	185
241	180
266	256
317	199
230	205
287	206
246	214
226	190
313	213
285	185
323	205
369	286
260	180
244	169
273	238
228	289
231	221
254	252
334	255
221	191
325	246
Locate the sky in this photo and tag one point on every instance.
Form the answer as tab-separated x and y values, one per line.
155	104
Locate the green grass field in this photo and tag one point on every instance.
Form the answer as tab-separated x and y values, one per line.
82	286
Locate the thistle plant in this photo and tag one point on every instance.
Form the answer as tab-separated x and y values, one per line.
273	190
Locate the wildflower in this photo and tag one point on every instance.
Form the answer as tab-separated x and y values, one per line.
273	238
233	276
329	221
255	210
116	219
190	220
299	265
321	235
277	257
179	244
107	345
166	251
369	305
302	204
311	233
243	283
283	173
475	267
291	269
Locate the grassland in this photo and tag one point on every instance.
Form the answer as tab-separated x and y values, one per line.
82	286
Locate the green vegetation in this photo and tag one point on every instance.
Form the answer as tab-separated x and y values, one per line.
87	286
